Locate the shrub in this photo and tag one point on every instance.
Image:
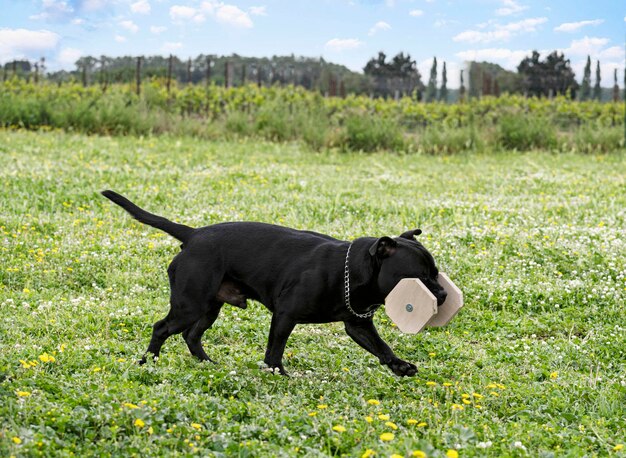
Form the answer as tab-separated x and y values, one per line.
439	139
371	133
525	132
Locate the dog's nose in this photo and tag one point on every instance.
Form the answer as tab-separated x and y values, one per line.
441	297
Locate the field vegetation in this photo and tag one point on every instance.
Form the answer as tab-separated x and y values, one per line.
534	365
353	123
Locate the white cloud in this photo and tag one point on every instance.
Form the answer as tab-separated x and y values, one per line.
171	46
380	25
93	5
591	46
416	13
500	32
140	7
68	56
343	44
130	26
507	58
614	52
231	15
21	43
221	12
445	22
78	21
258	10
181	13
157	29
574	26
510	7
120	39
53	10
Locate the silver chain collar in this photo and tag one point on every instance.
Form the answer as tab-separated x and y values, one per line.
346	276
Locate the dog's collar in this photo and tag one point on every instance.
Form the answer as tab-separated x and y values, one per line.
346	289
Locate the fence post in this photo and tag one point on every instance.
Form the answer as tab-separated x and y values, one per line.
227	75
208	71
169	74
189	71
138	75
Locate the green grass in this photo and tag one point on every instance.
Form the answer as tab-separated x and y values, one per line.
534	365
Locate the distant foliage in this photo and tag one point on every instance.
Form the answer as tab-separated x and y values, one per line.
549	77
293	113
398	76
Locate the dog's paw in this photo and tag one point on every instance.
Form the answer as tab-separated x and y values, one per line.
402	368
276	370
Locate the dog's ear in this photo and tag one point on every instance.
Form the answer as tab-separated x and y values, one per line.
383	247
411	234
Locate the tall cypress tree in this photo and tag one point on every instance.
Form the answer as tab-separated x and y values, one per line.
443	91
597	91
431	89
585	89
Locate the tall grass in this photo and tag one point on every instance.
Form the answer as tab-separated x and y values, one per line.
291	114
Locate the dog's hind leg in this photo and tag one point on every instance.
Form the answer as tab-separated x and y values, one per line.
177	320
193	335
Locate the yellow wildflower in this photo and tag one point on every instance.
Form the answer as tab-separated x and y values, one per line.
150	430
466	401
369	419
23	394
452	454
373	402
339	429
618	447
418	454
46	358
16	440
368	453
131	406
395	455
422	424
412	421
447	384
383	417
196	426
139	423
386	437
554	375
429	383
312	414
322	406
391	424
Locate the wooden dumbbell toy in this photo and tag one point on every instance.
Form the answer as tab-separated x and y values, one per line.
412	307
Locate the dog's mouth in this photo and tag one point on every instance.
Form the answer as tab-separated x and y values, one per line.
440	296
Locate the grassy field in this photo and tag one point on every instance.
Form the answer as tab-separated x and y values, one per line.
533	366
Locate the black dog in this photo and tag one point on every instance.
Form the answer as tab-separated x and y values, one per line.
300	276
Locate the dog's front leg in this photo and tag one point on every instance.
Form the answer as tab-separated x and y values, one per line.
280	329
364	333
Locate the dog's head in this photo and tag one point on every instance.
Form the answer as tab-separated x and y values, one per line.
405	257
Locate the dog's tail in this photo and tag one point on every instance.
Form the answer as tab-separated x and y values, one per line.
180	231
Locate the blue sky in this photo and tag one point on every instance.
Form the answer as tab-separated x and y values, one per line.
348	32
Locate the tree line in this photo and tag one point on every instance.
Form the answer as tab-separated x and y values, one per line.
393	77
